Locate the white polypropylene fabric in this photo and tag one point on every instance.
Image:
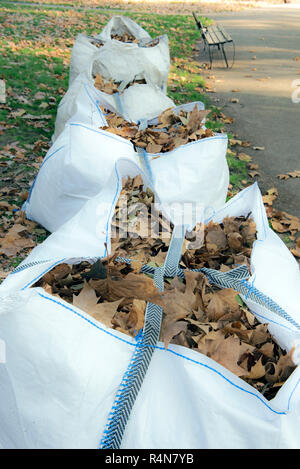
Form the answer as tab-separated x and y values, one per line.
83	49
122	61
80	161
63	368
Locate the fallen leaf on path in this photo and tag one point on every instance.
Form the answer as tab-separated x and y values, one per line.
244	157
291	174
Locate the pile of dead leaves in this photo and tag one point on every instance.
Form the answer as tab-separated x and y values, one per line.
218	324
197	315
111	86
125	37
138	231
225	245
171	131
129	38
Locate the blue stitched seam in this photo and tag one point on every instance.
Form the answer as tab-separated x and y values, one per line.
170	351
96	103
85	318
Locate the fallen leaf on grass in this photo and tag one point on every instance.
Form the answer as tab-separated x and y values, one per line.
39	117
12	243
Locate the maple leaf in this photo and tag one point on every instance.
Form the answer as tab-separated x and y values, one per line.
87	300
176	303
222	302
215	239
172	330
257	371
132	286
228	353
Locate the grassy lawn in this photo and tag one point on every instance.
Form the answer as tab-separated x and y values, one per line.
35	49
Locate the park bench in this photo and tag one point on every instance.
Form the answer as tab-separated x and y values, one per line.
215	36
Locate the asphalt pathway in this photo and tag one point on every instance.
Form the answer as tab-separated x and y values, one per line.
266	66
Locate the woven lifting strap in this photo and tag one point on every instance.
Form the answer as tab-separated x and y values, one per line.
146	341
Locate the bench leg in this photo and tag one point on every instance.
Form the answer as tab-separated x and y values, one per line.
224	55
210	57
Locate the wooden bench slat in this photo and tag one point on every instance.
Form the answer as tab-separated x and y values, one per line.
213	36
219	35
225	34
208	37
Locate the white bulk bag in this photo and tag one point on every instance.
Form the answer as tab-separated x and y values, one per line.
138	102
80	161
63	368
123	61
84	49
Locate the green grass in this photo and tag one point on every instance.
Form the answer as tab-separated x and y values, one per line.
238	172
35	51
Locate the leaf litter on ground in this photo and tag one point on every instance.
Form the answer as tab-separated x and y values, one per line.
212	321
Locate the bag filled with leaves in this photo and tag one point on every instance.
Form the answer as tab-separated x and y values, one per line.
122	51
221	377
197	315
171	130
135	100
80	162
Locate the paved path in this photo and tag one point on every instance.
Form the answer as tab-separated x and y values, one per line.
265	114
